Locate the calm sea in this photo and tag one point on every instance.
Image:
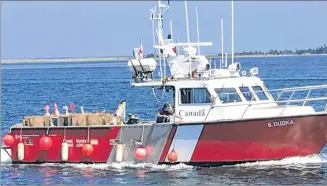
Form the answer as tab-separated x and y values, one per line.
102	85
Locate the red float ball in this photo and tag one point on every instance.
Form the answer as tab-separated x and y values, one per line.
140	153
8	140
87	149
45	143
172	156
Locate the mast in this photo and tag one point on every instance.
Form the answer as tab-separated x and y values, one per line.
141	45
232	31
152	21
197	27
222	39
188	36
159	18
187	29
171	30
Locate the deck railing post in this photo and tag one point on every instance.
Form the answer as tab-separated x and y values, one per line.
306	98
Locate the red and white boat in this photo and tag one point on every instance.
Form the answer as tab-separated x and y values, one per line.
222	116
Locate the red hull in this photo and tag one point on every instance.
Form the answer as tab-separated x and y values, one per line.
33	153
236	141
254	140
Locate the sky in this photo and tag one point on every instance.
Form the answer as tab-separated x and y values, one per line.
59	29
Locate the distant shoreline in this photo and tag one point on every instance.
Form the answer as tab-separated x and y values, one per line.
117	59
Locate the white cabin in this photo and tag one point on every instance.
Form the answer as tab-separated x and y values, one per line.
226	97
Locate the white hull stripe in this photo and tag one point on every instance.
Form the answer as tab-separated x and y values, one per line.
184	141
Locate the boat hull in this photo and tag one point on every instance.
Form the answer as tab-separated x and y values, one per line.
209	144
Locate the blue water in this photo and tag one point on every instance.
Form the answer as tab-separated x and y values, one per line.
102	85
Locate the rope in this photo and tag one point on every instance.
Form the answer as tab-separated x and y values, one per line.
175	137
21	133
121	134
162	97
155	95
88	135
65	134
142	134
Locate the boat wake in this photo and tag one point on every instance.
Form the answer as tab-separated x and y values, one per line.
294	162
132	165
287	162
114	166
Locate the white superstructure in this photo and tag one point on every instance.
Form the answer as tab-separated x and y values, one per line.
205	94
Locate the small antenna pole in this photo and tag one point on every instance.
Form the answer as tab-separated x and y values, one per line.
171	30
222	39
152	20
141	45
232	31
188	36
187	29
197	27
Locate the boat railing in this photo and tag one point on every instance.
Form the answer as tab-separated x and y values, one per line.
286	100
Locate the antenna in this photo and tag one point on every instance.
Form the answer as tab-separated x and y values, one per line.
232	31
152	20
141	45
188	36
187	29
171	30
222	38
197	27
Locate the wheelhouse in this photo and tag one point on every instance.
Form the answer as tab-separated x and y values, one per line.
214	99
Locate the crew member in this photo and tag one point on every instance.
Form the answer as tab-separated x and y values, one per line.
164	113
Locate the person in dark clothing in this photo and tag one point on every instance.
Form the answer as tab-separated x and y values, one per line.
164	113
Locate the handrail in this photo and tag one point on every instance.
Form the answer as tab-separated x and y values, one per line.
294	89
268	102
303	87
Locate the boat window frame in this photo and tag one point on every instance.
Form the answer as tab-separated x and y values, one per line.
263	90
192	98
238	92
254	96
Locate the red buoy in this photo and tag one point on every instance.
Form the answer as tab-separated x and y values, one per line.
87	149
8	140
172	156
140	153
45	143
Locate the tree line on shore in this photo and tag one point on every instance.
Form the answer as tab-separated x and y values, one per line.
318	50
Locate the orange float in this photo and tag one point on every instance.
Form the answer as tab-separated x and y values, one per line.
45	143
140	152
87	149
8	140
172	156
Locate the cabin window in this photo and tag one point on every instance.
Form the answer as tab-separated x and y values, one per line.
247	93
260	93
228	95
195	95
